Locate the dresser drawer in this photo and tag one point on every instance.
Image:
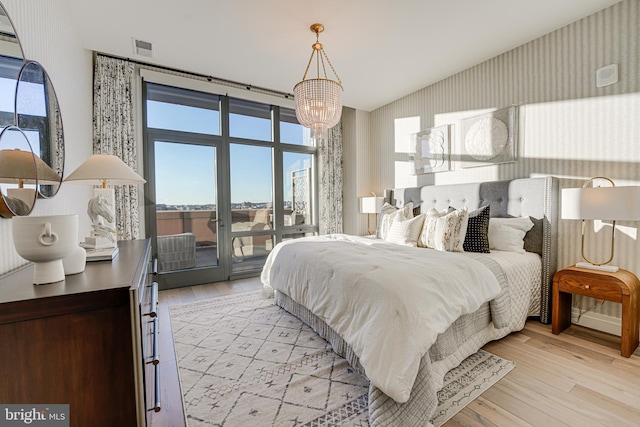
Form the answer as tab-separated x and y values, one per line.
148	356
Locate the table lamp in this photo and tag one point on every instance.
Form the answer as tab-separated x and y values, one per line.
103	170
602	203
371	205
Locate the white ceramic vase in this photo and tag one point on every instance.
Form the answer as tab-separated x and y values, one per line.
75	262
45	240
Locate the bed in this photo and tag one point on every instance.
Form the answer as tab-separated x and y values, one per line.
404	315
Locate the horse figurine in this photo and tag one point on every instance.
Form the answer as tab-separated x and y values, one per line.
101	211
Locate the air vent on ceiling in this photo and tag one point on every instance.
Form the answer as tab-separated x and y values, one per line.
142	48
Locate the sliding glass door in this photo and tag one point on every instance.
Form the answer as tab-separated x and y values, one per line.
227	179
185	215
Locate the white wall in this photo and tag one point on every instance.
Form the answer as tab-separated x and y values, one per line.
47	36
569	127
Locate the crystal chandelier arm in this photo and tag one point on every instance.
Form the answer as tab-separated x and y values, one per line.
304	77
321	55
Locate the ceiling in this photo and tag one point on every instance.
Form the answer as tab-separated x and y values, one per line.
381	49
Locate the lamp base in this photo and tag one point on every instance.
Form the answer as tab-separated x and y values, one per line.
608	268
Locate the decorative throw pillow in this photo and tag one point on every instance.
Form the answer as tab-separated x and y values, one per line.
405	232
477	236
507	234
404	213
427	234
450	231
385	210
445	232
533	238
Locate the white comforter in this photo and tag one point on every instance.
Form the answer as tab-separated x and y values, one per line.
388	302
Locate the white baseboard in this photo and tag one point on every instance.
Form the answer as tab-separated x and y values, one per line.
601	322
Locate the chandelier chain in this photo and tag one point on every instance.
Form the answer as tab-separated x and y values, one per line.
331	65
321	55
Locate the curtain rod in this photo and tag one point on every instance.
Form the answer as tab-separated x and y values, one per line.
212	79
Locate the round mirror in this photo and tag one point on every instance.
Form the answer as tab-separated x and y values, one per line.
18	173
38	115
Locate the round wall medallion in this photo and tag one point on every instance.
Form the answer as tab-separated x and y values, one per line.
486	139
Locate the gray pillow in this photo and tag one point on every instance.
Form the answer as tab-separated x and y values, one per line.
533	238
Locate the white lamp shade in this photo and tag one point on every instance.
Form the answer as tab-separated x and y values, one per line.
371	204
104	167
604	203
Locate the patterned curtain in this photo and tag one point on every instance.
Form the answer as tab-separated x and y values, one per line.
114	133
330	171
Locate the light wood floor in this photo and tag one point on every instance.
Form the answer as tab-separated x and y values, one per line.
577	378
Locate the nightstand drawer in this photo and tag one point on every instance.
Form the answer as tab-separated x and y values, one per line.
595	288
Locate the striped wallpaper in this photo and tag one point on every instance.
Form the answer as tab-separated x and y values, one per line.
44	32
568	127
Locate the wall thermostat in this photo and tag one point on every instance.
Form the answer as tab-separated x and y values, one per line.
607	75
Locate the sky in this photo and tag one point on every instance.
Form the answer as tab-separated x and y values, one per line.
185	173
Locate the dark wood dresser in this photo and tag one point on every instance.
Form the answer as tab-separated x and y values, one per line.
87	341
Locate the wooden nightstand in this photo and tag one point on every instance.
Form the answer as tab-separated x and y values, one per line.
621	286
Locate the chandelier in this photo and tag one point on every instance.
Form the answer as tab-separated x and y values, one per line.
318	100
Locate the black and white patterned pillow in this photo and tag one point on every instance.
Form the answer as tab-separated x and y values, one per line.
477	237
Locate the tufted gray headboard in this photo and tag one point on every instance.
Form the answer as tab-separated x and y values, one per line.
535	197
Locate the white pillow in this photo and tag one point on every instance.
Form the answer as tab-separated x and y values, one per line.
428	232
405	232
507	234
444	231
386	209
404	213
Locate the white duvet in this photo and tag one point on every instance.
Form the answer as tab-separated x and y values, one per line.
388	302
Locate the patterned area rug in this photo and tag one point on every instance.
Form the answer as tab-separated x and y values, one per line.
244	362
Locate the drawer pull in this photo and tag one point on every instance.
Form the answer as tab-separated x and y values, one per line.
587	286
156	390
156	357
154	301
